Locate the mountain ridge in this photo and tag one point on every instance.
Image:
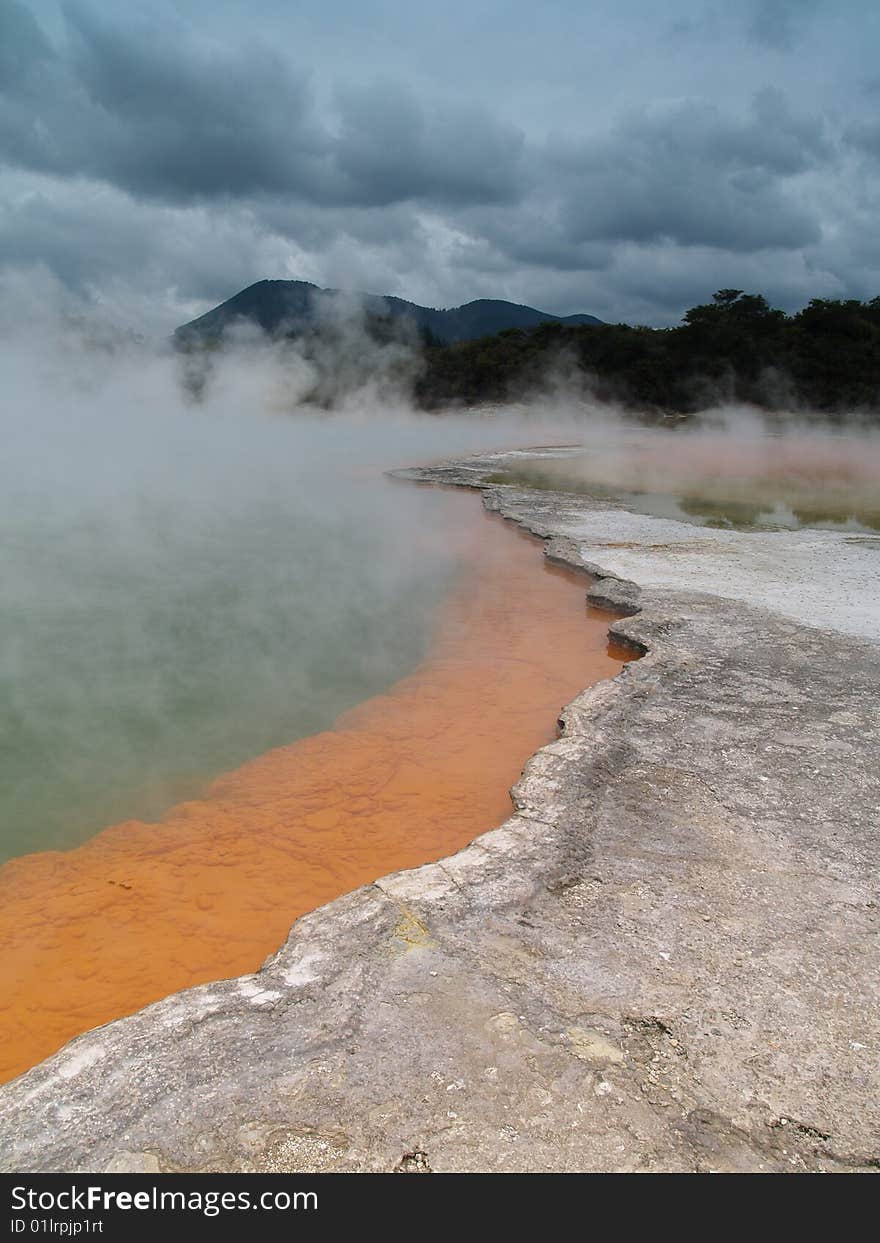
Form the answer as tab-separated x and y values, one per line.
281	307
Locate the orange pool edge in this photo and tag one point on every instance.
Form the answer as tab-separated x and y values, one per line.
143	910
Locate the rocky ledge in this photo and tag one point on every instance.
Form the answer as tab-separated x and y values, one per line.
667	959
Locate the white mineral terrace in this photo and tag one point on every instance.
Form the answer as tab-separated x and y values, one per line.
821	578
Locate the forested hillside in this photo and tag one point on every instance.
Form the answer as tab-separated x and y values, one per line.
735	348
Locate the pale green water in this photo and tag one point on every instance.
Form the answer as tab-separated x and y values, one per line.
770	513
177	611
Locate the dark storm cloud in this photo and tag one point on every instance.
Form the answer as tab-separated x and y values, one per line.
157	113
166	113
532	234
392	150
179	117
779	23
696	177
865	137
622	161
22	45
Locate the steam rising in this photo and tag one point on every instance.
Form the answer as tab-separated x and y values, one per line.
733	468
187	583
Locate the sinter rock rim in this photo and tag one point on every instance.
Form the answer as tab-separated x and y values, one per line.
665	959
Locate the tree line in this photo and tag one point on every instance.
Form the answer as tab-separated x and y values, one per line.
736	348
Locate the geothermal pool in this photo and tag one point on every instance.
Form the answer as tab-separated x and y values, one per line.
721	478
482	642
150	642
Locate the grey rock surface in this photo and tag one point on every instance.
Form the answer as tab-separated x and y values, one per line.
667	959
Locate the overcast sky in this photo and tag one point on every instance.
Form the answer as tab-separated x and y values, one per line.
620	157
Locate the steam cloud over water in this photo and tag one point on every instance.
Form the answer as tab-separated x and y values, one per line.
186	585
733	467
189	583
